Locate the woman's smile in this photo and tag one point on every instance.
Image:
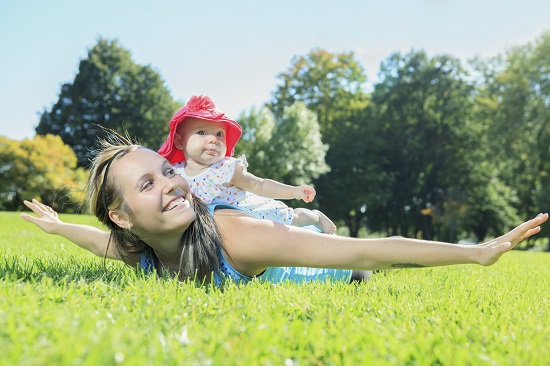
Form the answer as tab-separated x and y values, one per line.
178	202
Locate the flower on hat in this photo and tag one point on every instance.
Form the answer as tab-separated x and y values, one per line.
201	103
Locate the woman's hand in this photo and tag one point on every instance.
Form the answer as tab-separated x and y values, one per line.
46	219
493	249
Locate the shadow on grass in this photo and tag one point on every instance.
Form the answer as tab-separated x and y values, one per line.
69	269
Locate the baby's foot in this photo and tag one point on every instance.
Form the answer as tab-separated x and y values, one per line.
325	224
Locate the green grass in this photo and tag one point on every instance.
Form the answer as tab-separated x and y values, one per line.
59	307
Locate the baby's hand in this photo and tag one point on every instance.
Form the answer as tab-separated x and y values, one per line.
305	193
47	218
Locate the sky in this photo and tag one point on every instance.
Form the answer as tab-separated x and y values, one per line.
234	50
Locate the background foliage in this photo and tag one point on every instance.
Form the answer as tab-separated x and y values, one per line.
438	149
43	168
109	91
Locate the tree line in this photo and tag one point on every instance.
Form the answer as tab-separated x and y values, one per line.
437	148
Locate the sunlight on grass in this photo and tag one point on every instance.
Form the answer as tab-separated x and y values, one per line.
59	307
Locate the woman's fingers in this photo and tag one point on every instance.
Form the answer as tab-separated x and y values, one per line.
527	229
36	207
529	233
40	209
29	218
534	223
33	206
46	218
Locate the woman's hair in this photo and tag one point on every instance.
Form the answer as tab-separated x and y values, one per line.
200	242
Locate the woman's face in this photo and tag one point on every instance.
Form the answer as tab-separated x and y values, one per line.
159	199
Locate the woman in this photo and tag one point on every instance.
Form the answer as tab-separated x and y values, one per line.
155	222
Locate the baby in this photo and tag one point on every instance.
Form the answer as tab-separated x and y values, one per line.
200	147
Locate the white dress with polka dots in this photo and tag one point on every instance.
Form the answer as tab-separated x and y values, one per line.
209	187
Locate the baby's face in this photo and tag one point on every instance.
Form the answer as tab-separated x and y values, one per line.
201	141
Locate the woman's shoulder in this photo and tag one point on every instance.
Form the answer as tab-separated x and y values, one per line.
232	220
228	214
244	229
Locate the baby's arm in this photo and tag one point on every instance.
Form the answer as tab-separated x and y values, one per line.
85	236
270	188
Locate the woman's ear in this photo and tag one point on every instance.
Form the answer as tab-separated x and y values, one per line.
120	219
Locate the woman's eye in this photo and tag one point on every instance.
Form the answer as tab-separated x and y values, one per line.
147	185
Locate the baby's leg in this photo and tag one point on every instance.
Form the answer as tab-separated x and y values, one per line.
304	217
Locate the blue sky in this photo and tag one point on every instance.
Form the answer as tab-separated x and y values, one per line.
233	50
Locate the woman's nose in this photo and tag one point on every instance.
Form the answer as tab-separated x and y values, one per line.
169	185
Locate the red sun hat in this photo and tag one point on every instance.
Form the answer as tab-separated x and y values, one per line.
202	107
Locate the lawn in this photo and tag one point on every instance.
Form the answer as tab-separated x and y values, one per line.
58	306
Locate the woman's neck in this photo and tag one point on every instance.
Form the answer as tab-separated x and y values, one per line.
167	250
168	259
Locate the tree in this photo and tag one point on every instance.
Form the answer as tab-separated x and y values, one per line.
258	126
332	86
113	92
424	108
517	90
489	204
42	168
288	149
296	148
357	182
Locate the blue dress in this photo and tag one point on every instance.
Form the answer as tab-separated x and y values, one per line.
271	274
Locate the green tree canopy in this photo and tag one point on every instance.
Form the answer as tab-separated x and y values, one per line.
258	127
332	86
288	149
424	107
297	147
515	90
42	168
111	91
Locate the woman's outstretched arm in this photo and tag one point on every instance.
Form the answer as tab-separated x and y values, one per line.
85	236
252	245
